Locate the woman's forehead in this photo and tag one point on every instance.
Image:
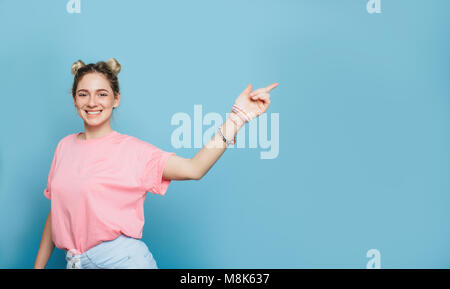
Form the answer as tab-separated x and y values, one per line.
94	81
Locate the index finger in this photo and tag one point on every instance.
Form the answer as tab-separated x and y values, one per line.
272	86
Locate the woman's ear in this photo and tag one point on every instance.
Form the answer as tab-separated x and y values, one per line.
116	100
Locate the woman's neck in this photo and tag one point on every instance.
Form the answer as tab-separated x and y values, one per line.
91	133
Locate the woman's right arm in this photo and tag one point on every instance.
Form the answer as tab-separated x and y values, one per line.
46	247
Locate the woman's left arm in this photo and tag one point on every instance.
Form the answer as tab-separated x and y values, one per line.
254	103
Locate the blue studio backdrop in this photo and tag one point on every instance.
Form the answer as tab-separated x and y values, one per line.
349	167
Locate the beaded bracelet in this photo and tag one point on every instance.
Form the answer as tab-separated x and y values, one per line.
240	112
243	114
228	142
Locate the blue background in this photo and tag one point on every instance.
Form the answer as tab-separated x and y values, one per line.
363	102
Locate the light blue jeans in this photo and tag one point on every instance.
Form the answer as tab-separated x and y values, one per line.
121	253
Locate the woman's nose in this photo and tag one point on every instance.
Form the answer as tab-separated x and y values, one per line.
92	100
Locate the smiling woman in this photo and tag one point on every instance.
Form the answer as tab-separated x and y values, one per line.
96	92
98	179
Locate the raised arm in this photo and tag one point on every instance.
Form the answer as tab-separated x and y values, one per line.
254	103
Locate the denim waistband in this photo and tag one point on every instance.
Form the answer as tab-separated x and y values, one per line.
73	256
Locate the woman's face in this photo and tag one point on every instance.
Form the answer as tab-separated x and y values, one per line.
94	99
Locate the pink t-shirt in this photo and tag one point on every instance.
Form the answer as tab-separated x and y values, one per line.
97	188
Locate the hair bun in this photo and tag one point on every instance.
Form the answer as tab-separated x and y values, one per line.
77	65
114	65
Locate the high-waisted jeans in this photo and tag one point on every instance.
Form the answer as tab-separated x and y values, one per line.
121	253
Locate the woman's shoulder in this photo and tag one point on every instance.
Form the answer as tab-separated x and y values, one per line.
139	144
132	140
62	141
68	137
65	139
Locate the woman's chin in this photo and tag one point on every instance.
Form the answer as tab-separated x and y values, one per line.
93	123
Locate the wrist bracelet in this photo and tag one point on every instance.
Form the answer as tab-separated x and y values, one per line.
243	114
228	142
240	112
233	117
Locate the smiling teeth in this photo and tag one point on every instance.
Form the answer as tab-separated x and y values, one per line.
97	112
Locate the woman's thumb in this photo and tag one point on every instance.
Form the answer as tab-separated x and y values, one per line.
248	89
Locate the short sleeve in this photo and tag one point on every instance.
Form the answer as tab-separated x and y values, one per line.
154	161
47	190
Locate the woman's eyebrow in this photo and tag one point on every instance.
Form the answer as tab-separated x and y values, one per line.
101	89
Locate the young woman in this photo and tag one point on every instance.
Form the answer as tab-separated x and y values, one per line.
98	179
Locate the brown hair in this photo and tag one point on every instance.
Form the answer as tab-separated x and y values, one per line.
110	69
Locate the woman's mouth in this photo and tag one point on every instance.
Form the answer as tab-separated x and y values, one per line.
93	113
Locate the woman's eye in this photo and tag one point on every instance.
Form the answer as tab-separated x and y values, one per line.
103	94
81	94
